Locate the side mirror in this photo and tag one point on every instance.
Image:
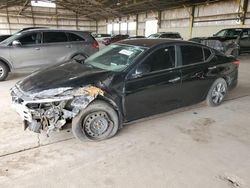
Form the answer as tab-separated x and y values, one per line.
141	69
16	43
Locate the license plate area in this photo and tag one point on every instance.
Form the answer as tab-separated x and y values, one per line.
23	111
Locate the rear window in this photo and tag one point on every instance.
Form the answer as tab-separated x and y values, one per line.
191	54
51	37
74	37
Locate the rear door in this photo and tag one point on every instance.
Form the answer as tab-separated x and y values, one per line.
82	43
57	47
30	52
195	66
155	90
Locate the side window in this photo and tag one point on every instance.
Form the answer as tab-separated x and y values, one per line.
29	39
245	33
191	54
74	37
51	37
207	53
161	59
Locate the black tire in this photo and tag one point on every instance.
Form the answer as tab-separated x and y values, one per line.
4	71
100	114
217	92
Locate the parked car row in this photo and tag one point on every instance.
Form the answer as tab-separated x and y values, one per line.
100	90
115	38
34	48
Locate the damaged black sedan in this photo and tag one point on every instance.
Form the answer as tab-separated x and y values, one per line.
126	81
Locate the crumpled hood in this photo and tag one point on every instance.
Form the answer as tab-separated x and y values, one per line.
67	75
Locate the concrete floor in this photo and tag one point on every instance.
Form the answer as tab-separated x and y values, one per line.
193	147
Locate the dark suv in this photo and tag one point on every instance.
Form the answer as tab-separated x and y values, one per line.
232	41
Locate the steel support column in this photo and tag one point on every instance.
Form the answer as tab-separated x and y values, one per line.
243	5
191	19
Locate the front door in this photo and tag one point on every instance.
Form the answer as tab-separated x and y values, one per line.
30	52
156	86
57	47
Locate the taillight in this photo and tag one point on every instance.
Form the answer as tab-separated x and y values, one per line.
236	62
95	45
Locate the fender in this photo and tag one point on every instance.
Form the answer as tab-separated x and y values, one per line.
7	63
115	106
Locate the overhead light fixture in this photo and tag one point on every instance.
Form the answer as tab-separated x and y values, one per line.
43	3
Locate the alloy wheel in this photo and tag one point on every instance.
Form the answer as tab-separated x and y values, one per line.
1	71
218	93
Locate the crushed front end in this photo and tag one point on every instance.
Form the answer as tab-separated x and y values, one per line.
50	109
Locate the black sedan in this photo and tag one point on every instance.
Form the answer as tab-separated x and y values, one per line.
126	81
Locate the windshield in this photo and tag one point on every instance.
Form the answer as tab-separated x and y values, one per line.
229	33
114	57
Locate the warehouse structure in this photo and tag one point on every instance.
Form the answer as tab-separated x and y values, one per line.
190	18
82	107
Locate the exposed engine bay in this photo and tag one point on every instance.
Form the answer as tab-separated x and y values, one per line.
50	109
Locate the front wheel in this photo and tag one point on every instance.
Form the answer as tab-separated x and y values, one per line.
4	71
97	122
217	92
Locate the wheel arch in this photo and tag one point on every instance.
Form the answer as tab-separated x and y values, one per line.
113	105
6	63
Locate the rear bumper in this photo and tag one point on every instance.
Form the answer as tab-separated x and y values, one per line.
232	81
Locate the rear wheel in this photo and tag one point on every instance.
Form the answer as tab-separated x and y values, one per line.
4	71
217	92
97	122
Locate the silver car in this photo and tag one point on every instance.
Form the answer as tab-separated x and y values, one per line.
37	48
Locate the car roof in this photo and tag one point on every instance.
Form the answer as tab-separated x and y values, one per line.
168	33
237	28
48	29
145	42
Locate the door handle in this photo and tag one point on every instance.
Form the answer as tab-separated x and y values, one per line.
175	80
212	68
68	46
37	48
